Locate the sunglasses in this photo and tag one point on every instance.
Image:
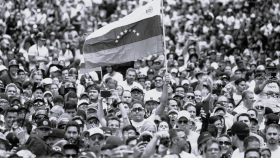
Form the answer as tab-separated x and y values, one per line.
139	109
92	121
224	143
259	107
180	121
70	155
190	97
39	104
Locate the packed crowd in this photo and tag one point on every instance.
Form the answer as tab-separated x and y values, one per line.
216	95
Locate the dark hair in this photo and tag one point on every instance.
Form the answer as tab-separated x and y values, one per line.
112	118
180	87
173	133
138	102
71	95
252	150
10	110
70	105
58	99
249	139
256	112
248	74
129	127
130	139
71	124
111	79
273	125
210	142
178	103
243	114
236	82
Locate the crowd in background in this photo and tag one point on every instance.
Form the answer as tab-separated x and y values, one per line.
217	94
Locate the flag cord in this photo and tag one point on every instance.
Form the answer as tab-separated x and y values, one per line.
163	29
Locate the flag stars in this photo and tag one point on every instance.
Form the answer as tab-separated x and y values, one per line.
134	31
116	41
121	33
118	37
137	34
125	31
129	30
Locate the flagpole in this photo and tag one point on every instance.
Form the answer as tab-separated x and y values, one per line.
163	29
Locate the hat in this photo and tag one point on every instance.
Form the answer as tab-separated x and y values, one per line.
46	81
203	137
151	99
44	123
254	120
220	108
15	99
107	131
172	111
181	69
84	94
268	59
198	73
114	140
180	58
268	110
80	102
95	130
271	66
48	92
174	70
184	113
56	133
185	82
210	69
86	154
92	106
2	67
240	128
39	87
24	106
52	34
136	88
150	71
38	99
92	116
271	118
54	69
71	146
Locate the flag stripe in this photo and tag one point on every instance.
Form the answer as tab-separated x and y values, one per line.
144	29
125	53
149	10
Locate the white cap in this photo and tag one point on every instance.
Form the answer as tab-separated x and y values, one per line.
95	130
174	70
2	67
185	82
47	92
150	99
185	114
46	81
54	69
83	101
181	69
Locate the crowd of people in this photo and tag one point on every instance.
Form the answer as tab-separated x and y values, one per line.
214	93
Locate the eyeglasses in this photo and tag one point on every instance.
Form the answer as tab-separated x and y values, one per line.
70	155
92	121
39	104
259	107
139	109
180	121
190	97
225	143
96	137
158	80
40	118
173	115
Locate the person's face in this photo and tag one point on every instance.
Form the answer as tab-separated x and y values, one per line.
249	98
65	74
10	55
225	144
219	125
126	107
228	69
245	120
42	132
10	118
130	77
52	140
152	129
93	94
238	74
137	112
254	127
21	76
272	136
157	65
136	95
259	107
213	151
163	126
192	111
158	82
266	154
241	86
151	105
180	90
70	153
71	112
105	153
132	144
148	84
126	97
48	97
4	104
38	93
37	78
253	154
21	113
182	140
109	69
183	123
11	92
113	124
92	122
129	133
54	87
172	105
71	134
252	114
96	142
197	96
253	145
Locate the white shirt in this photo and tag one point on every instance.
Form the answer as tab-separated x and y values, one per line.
128	87
117	76
241	109
152	93
39	53
237	154
192	137
276	153
138	125
66	56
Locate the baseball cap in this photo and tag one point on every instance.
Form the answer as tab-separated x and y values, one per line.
268	59
86	154
172	111
56	133
151	99
136	88
80	102
220	108
96	130
84	94
46	81
150	71
184	113
203	137
174	70
15	99
107	131
210	69
254	120
38	99
240	128
92	116
180	58
271	118
4	96
185	82
271	66
114	140
54	69
44	123
48	92
24	106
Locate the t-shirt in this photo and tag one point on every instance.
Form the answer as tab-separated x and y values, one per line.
138	125
276	153
192	137
152	93
237	154
117	76
128	87
40	53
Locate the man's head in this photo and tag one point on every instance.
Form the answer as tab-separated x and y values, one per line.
92	121
173	104
39	104
96	139
54	136
93	92
183	120
43	128
126	96
178	139
248	98
10	116
137	111
71	108
71	150
252	153
72	97
158	81
128	131
131	75
212	149
113	123
197	96
58	100
251	142
245	118
272	134
136	94
253	113
72	132
239	132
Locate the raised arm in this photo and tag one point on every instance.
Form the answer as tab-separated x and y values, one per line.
164	95
100	112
